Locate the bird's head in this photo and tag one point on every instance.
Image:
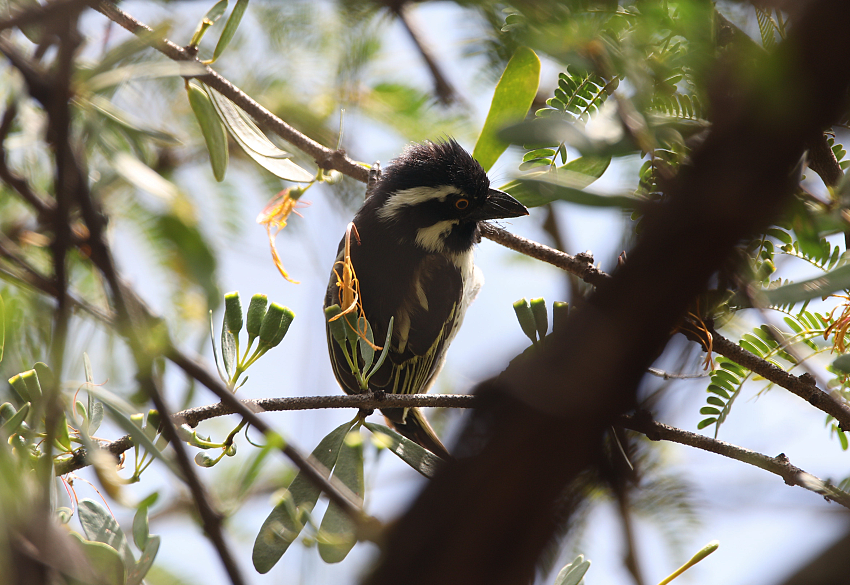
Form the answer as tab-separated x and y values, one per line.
434	195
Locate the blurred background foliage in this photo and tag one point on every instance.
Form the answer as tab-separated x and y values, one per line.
634	78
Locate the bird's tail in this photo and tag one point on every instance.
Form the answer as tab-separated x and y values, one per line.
415	427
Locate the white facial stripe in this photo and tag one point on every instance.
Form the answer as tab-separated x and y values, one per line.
431	238
413	196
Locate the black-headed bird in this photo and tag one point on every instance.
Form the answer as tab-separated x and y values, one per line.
411	249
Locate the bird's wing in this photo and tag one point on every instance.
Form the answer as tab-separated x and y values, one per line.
425	321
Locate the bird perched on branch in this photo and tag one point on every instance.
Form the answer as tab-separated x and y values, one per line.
409	255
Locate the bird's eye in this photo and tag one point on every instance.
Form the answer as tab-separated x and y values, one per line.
462	203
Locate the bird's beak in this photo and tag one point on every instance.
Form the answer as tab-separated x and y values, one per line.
498	205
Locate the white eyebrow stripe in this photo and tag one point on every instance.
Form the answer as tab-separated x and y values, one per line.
413	196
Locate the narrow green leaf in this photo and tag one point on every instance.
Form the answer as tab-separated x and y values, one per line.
366	350
228	351
513	97
141	528
414	455
543	153
256	144
541	188
12	425
384	351
708	410
280	529
207	21
138	571
715	401
838	279
337	536
211	127
230	28
63	437
714	389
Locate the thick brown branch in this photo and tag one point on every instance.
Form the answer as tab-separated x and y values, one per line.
779	465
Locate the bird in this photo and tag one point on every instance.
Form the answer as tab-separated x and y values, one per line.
411	249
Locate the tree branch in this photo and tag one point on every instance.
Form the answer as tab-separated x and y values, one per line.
194	416
325	158
779	465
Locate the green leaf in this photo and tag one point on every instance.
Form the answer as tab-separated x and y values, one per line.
104	560
230	28
708	410
256	144
337	531
141	528
138	571
706	422
513	97
280	529
228	351
414	455
554	130
63	437
11	426
211	127
842	363
99	526
366	350
384	351
586	169
540	188
207	21
835	280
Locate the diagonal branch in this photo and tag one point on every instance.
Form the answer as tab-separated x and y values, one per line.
780	465
325	158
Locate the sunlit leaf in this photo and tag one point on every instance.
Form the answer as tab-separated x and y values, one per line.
99	526
230	28
513	97
211	128
414	455
544	187
256	144
838	279
280	529
149	70
143	177
337	536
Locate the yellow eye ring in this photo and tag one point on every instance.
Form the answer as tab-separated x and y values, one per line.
462	203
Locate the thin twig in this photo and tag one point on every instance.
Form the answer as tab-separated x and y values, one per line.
779	465
325	157
444	90
368	401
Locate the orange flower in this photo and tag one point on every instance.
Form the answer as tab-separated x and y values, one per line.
839	326
274	216
349	289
